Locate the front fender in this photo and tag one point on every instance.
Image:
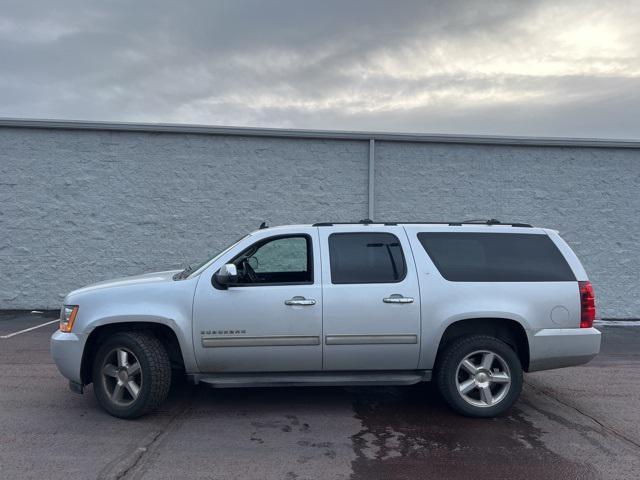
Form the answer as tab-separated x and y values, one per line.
169	304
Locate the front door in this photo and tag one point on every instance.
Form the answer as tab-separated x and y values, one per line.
271	319
371	299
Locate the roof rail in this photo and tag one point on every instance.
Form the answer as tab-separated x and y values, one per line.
366	221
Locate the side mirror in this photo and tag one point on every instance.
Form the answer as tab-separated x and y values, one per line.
227	275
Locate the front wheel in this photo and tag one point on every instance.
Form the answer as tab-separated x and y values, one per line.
479	376
131	374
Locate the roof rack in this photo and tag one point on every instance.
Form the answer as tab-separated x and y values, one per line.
367	221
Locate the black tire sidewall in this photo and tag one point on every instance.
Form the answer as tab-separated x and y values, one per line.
447	372
141	405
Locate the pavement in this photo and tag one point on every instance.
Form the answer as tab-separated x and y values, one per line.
581	422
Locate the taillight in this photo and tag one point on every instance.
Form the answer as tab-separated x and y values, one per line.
587	305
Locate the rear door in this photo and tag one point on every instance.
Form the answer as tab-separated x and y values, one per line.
371	301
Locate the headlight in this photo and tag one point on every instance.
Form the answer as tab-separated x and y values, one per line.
67	317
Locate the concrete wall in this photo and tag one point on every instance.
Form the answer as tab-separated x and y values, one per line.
79	206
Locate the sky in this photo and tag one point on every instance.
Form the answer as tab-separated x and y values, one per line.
536	68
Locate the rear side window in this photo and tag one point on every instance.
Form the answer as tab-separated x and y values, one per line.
366	258
496	257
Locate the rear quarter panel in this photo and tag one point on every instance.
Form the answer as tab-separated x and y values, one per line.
534	305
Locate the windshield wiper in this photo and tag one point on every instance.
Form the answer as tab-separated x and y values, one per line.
184	273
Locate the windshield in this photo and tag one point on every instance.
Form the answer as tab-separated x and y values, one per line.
197	267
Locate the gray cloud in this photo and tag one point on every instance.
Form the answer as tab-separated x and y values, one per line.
531	68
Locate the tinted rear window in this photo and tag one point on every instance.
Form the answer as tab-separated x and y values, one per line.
366	258
496	257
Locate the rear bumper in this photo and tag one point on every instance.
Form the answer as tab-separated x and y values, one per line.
563	347
66	350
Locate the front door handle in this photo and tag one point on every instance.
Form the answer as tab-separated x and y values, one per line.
300	301
397	298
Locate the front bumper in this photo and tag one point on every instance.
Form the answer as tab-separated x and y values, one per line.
66	350
563	347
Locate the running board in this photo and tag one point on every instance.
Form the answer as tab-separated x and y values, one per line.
295	379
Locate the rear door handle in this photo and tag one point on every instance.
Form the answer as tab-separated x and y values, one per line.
300	301
397	298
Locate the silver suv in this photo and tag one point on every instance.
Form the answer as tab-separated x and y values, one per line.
470	305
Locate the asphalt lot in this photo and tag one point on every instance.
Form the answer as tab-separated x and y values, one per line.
581	422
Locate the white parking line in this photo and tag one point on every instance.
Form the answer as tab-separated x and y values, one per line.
28	329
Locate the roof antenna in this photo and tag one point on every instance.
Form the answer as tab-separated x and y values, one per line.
366	221
263	225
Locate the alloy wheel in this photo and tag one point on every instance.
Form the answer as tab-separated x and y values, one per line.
483	378
122	376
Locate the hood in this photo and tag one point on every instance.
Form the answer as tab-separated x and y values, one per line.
146	278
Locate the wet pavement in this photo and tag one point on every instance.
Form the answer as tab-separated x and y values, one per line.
581	422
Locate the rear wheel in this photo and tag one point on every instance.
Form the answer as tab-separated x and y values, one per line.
479	376
131	374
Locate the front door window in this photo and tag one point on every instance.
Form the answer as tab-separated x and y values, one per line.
281	260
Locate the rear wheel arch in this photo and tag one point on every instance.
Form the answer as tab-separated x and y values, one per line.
98	336
508	330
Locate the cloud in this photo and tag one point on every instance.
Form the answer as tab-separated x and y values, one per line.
530	68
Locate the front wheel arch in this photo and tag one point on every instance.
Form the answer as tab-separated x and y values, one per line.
98	336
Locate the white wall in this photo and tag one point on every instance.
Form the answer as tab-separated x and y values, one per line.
79	206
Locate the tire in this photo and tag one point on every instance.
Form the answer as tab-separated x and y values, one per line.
123	389
496	383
